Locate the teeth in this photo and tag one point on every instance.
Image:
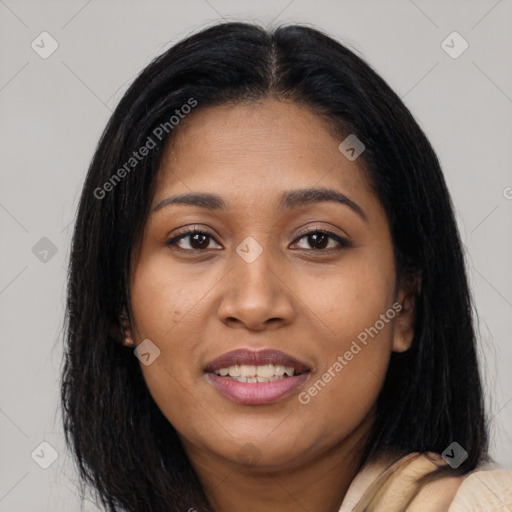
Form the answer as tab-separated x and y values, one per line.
234	371
279	370
266	370
252	373
247	371
289	371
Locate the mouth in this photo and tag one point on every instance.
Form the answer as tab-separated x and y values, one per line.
253	378
253	373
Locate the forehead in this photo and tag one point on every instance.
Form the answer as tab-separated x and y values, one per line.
254	150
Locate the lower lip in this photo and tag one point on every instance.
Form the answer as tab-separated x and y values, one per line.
257	393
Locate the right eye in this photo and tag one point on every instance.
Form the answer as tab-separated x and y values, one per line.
197	240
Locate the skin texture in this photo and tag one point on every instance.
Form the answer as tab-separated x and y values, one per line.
308	302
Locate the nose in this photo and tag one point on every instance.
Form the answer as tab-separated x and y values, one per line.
256	295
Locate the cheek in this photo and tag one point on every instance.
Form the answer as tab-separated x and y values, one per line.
351	368
356	303
167	303
352	296
339	401
165	295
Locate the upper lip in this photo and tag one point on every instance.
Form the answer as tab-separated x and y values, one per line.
250	357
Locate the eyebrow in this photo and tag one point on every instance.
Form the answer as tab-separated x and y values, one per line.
289	200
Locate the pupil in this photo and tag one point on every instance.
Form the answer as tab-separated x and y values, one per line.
316	244
200	244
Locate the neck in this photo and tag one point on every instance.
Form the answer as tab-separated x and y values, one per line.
309	483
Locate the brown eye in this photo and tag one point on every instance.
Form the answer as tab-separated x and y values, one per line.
197	240
319	240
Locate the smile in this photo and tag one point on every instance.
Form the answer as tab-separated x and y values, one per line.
256	378
251	373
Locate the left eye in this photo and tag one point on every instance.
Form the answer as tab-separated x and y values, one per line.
319	240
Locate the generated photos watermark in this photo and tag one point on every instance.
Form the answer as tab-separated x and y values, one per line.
137	156
305	396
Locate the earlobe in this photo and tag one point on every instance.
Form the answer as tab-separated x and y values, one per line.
402	342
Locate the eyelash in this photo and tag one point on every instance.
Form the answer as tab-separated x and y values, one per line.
188	232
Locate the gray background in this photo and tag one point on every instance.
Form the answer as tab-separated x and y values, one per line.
54	109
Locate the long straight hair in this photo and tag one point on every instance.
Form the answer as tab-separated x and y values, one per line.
123	445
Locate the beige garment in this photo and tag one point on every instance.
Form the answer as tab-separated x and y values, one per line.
390	486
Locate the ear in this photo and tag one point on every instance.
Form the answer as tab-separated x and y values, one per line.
409	289
125	329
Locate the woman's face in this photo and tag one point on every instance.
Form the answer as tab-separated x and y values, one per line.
254	281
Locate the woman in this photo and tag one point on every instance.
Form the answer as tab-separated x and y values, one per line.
267	229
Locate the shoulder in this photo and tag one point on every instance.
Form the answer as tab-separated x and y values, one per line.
483	491
478	491
397	486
